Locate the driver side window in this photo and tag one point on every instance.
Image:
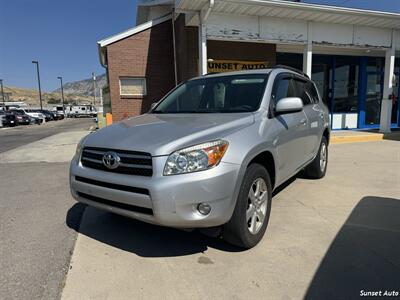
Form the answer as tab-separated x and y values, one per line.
285	87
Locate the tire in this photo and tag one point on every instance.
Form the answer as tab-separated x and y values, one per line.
317	168
246	231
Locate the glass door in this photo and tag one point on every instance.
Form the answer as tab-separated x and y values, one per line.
321	74
373	98
345	87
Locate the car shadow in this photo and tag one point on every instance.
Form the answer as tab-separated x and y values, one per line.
143	239
365	254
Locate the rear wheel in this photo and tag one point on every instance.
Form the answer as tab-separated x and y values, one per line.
317	168
253	206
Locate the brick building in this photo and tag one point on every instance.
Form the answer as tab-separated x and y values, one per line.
349	53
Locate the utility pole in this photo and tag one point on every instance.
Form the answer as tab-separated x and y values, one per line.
94	89
2	92
62	94
38	76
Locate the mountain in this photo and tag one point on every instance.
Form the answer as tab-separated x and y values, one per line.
84	87
31	96
74	92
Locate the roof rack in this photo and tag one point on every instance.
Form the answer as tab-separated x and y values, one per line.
291	69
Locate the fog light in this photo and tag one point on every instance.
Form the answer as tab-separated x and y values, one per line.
204	208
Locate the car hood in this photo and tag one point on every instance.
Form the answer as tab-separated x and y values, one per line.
161	134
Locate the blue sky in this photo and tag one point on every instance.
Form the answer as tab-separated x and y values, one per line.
62	35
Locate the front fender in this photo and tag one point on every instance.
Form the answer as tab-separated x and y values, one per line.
248	157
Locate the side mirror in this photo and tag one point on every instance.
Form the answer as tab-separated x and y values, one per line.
289	105
153	105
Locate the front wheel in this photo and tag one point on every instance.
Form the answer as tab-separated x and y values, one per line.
317	168
253	206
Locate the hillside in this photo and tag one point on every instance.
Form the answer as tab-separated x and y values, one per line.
31	96
77	91
84	87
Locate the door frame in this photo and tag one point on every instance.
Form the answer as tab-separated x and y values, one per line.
362	59
362	92
398	103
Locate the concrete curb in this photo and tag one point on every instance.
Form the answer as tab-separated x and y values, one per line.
373	137
365	137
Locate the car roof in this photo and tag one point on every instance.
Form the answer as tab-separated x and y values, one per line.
211	75
277	68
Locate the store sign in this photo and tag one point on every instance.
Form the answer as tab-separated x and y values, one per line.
218	66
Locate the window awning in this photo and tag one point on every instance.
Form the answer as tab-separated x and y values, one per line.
294	10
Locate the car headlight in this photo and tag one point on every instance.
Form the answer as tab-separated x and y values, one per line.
196	158
79	149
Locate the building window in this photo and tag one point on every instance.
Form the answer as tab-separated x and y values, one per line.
132	86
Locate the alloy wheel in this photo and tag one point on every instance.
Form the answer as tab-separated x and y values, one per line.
256	205
323	157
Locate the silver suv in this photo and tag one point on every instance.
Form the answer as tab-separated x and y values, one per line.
209	154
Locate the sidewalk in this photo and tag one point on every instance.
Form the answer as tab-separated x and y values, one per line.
56	148
356	136
324	238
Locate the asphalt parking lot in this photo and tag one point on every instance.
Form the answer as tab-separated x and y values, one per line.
35	243
12	137
327	239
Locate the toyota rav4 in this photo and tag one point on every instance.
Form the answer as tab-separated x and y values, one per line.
209	154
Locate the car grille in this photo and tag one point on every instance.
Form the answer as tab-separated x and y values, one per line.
132	162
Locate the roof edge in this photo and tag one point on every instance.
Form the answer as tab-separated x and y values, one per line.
117	37
320	7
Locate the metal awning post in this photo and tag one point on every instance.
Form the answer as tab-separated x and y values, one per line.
386	106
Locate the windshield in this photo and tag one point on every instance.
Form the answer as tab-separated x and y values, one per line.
224	94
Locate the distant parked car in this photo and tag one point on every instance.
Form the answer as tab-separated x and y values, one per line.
35	120
2	117
49	116
34	113
21	117
59	111
10	120
58	115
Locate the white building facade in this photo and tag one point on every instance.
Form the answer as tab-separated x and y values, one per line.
351	54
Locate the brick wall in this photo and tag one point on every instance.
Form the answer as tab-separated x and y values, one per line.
146	54
187	50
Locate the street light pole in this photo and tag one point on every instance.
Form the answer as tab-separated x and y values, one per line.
62	94
94	88
2	93
38	75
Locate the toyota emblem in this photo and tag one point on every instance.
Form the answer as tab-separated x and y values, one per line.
111	160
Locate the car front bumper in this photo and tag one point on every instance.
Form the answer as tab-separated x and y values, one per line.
164	200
